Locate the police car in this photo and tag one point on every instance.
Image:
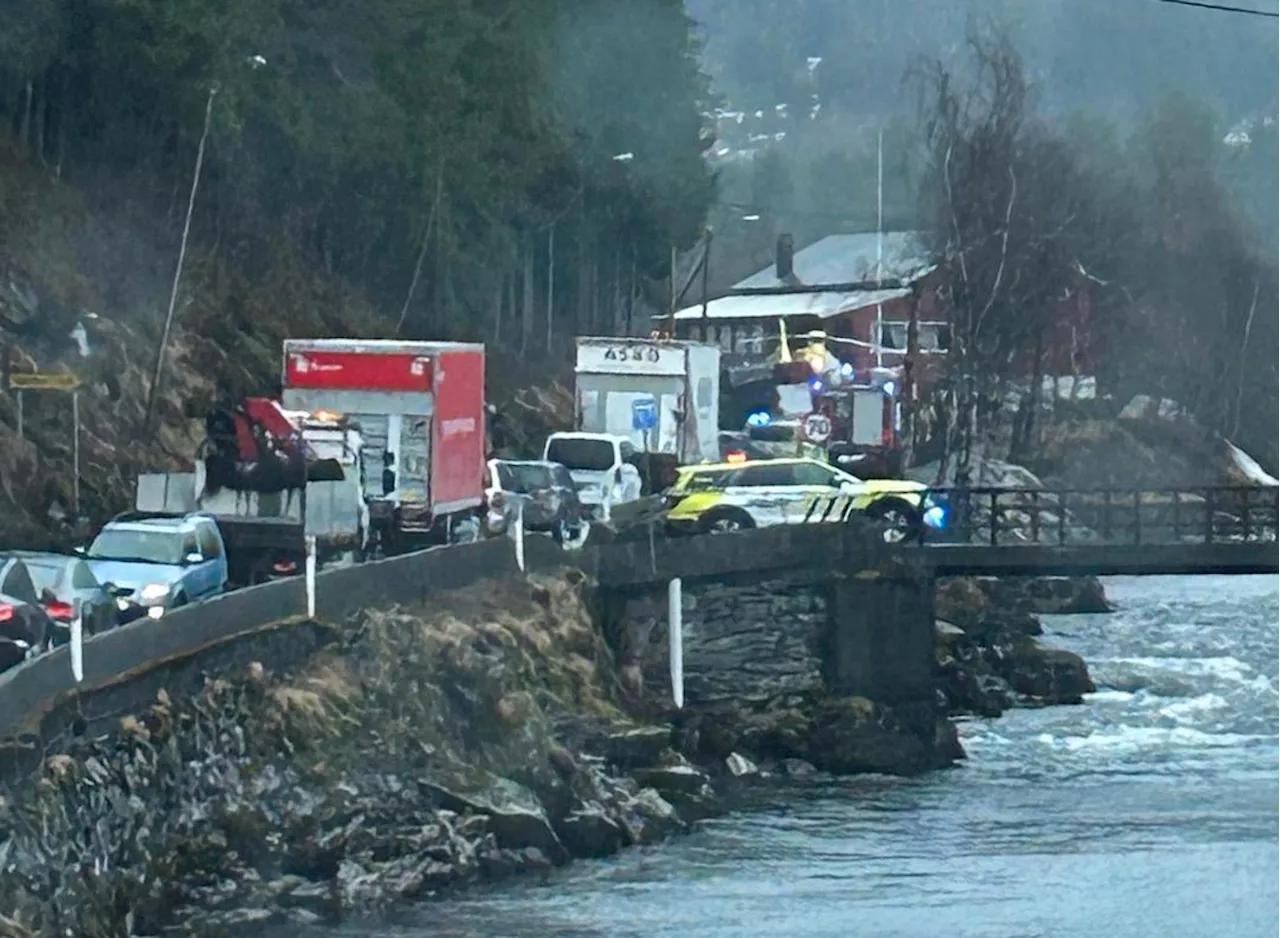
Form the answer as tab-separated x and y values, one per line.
736	496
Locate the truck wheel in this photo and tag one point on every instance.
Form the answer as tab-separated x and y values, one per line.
899	522
726	520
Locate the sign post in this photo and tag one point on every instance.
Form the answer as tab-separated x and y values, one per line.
77	642
18	383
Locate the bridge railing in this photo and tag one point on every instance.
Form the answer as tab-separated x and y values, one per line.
1000	516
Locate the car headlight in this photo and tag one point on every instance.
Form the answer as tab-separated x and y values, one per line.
153	592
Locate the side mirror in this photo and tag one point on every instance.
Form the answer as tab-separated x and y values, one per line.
48	596
81	549
111	588
193	558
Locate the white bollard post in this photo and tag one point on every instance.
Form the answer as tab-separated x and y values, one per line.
77	643
517	532
311	576
675	642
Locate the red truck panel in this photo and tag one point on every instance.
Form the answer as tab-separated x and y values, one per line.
457	463
356	370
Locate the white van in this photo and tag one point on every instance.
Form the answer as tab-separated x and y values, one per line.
597	462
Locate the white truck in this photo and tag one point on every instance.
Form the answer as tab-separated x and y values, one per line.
662	395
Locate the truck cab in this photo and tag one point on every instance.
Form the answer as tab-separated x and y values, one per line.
599	464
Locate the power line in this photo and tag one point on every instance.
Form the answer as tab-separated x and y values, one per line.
1224	8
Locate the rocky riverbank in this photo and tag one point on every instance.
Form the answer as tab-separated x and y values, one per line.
420	752
990	658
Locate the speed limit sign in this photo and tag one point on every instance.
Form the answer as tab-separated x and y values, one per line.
817	428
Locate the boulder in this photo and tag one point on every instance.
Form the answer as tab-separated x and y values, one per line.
1047	675
855	735
648	817
739	765
516	817
1050	595
635	748
589	831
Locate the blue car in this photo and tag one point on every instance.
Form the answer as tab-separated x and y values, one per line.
154	563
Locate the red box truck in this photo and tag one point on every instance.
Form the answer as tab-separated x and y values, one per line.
420	410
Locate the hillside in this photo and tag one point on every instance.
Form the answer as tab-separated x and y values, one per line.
438	169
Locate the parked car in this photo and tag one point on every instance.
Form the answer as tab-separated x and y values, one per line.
601	466
543	492
711	499
159	562
25	628
62	582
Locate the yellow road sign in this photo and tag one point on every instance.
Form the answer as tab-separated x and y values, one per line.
43	381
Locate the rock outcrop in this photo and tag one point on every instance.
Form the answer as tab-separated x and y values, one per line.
989	656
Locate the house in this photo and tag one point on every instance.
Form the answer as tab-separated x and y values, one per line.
859	289
841	285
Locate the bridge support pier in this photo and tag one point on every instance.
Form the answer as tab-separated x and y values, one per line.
880	636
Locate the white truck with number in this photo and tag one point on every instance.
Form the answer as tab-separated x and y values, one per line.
663	395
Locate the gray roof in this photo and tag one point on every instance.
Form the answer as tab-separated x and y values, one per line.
823	304
851	258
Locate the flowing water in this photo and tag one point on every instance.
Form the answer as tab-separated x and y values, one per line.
1149	811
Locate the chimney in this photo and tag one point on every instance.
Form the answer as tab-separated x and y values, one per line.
785	258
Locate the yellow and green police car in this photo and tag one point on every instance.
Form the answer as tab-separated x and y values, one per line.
724	497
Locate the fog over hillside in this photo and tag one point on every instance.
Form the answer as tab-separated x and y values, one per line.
1114	58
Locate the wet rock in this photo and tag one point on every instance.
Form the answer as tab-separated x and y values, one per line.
1048	675
648	817
590	831
739	765
1058	595
675	779
515	816
798	768
635	748
855	735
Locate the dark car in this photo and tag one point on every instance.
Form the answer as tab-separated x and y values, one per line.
25	628
62	581
542	491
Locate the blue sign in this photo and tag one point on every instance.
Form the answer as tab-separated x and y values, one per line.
644	413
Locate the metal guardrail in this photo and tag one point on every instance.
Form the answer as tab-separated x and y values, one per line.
1006	517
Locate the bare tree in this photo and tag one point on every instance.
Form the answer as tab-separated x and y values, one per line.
1003	200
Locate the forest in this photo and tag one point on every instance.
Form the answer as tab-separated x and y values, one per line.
520	170
431	155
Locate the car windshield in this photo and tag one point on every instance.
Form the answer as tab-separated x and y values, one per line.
44	575
579	453
523	477
146	546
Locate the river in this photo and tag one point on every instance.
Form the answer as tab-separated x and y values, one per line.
1149	811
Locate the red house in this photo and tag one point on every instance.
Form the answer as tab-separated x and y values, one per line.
859	289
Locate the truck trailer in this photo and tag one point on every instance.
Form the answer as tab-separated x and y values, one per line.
419	408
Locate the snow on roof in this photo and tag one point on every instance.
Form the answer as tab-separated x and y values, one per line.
851	258
785	305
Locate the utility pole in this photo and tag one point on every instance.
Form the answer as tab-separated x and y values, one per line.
156	373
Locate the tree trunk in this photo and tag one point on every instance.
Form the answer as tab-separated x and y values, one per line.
526	300
551	283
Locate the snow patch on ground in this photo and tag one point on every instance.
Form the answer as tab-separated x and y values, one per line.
1249	467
